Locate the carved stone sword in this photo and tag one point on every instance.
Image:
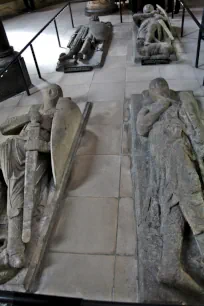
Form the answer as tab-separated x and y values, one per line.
30	170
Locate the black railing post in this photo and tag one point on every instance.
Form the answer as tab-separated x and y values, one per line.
183	19
70	10
172	9
23	76
35	60
198	48
58	38
200	37
121	14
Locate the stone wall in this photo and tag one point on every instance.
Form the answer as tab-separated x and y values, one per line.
10	7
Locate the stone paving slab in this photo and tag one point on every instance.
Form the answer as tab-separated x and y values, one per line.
126	237
135	88
87	225
126	181
106	113
108	138
96	176
74	275
115	61
125	275
109	75
142	73
107	92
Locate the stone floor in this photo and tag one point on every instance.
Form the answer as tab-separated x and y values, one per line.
93	252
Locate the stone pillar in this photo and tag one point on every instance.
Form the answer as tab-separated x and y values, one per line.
12	81
5	48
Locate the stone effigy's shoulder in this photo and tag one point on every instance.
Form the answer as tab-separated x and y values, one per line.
14	125
138	18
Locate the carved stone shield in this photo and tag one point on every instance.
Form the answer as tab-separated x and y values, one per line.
66	122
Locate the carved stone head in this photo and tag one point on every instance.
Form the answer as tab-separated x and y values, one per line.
159	87
51	95
148	8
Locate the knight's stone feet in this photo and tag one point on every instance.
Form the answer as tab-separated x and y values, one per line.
16	261
179	279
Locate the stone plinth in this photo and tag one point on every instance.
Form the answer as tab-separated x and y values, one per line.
11	83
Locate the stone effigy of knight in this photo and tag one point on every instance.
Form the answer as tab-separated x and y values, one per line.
29	150
173	124
153	36
85	41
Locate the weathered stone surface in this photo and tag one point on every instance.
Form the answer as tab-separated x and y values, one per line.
167	175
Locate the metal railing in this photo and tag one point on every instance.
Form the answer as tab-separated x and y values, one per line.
17	57
199	24
186	8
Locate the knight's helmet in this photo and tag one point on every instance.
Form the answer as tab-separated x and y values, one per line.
51	95
100	7
148	8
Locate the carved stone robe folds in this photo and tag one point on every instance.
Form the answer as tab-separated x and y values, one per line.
12	163
176	173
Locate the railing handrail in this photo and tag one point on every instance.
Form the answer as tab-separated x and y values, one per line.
200	25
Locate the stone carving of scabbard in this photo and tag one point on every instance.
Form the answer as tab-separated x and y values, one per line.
30	179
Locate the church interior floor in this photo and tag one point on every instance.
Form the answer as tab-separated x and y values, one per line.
93	250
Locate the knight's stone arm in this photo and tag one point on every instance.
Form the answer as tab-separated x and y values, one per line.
12	125
138	18
148	115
